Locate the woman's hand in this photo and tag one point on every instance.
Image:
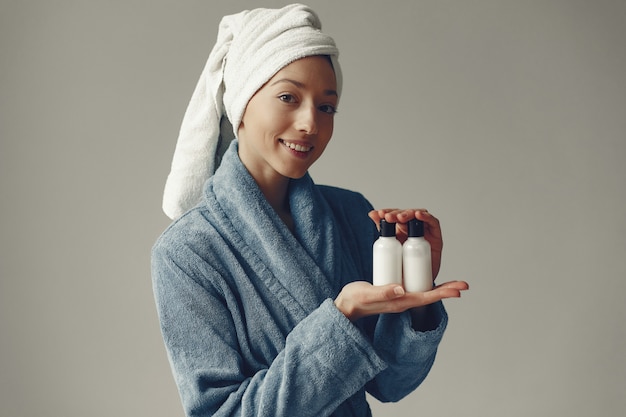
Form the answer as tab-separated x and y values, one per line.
432	229
359	299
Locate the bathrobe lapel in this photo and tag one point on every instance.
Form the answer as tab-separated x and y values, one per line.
300	268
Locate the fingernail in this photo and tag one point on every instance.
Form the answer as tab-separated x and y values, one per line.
399	291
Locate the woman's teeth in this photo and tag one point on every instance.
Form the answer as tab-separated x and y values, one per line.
296	147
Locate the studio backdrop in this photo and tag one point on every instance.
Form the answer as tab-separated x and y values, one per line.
506	119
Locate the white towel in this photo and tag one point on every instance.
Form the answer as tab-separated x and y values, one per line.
251	47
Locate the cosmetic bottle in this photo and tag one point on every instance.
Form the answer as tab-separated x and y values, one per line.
416	259
387	253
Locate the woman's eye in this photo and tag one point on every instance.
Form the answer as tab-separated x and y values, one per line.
287	98
327	108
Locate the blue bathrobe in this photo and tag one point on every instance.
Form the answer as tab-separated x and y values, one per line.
247	313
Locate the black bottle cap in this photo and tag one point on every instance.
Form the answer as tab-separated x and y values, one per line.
387	229
416	228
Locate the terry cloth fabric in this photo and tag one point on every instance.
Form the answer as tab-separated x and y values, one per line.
251	47
247	313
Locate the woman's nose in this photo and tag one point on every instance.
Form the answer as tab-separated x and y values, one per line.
307	119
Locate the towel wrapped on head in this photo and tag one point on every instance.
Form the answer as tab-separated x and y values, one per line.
251	47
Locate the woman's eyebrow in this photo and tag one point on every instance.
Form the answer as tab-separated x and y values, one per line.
301	85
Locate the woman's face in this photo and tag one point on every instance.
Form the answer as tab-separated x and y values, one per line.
289	121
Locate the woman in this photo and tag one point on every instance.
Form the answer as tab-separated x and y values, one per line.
262	283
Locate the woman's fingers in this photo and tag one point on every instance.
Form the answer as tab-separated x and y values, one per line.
377	215
459	285
451	289
360	299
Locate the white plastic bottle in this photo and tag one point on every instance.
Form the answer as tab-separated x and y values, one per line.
387	253
416	259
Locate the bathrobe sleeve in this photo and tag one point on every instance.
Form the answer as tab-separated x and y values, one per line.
408	354
324	359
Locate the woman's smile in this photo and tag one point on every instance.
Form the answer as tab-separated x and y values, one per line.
298	148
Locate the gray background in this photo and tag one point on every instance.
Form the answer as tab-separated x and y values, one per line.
507	119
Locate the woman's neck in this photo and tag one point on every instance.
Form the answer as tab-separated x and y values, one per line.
275	192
